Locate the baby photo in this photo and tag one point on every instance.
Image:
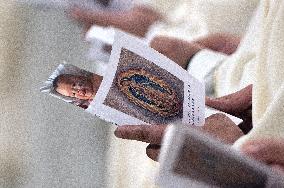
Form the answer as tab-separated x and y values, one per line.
73	85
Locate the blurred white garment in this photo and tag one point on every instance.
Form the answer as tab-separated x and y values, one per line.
99	38
260	61
189	19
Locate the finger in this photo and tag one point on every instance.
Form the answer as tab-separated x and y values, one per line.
177	50
153	151
222	128
146	133
101	18
158	43
220	42
266	150
234	104
80	14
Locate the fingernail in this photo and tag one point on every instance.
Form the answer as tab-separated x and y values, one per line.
118	133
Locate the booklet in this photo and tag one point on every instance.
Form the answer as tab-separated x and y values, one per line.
140	86
190	158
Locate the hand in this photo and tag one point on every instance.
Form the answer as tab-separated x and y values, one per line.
181	51
135	21
238	104
220	42
177	50
217	125
269	151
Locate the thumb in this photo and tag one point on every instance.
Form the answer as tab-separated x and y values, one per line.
235	103
153	151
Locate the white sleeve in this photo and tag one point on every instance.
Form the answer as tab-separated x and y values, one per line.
203	65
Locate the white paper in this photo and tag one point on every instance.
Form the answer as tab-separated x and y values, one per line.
104	34
210	111
189	90
190	158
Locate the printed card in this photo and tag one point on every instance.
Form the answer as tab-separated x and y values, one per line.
194	159
141	86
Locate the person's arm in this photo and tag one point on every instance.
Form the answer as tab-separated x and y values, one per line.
135	21
181	51
220	42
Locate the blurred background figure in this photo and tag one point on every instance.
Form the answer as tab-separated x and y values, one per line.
38	147
186	19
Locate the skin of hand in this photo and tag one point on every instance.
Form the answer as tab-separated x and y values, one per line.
180	51
177	50
217	125
238	104
135	21
269	151
220	42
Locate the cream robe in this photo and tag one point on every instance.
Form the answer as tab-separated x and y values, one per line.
190	19
268	90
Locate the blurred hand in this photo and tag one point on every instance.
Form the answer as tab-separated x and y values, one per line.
269	151
135	21
217	125
220	42
180	51
177	50
238	104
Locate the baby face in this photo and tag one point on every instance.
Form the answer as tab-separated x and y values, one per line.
75	86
